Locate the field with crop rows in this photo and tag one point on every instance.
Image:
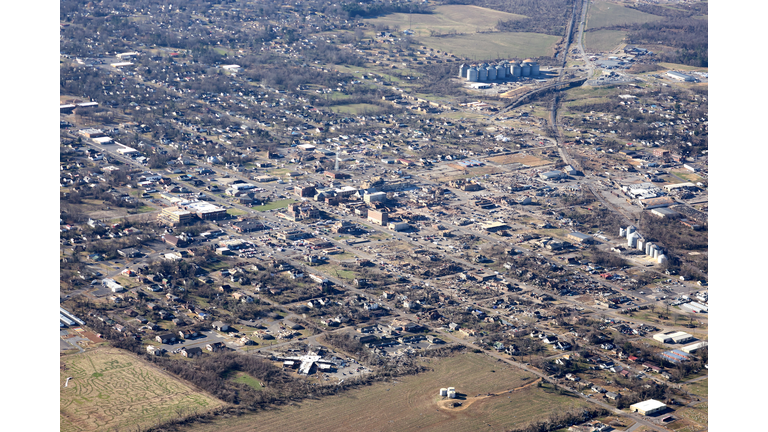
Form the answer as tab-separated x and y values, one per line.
110	389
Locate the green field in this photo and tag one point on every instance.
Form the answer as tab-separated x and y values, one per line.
244	378
110	390
275	205
462	19
236	212
604	14
676	66
411	403
603	40
466	22
700	388
495	45
360	108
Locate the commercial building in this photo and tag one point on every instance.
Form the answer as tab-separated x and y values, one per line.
175	216
377	217
551	175
580	238
651	203
677	76
205	210
663	213
695	307
398	226
375	197
693	348
649	407
673	337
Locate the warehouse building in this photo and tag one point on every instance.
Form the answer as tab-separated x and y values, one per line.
204	210
649	407
578	237
677	76
693	348
673	337
695	307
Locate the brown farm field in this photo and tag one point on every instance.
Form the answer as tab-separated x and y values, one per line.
113	390
412	403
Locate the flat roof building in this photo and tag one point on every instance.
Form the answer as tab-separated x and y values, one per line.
580	238
175	216
649	407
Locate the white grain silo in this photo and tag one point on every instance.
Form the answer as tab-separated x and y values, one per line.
534	68
662	259
491	73
526	69
452	394
648	248
641	244
472	74
482	74
501	73
622	233
630	229
516	70
656	253
463	70
632	240
443	392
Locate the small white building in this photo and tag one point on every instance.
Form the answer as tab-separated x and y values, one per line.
651	406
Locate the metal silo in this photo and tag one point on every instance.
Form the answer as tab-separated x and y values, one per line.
501	73
452	394
516	70
631	229
463	70
482	74
534	69
443	392
662	259
632	240
491	73
641	244
656	253
526	69
472	74
622	233
648	247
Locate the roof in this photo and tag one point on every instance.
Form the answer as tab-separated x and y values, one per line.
580	235
648	405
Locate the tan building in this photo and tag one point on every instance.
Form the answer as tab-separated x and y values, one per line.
175	216
377	217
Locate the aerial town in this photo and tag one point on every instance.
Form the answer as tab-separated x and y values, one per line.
383	215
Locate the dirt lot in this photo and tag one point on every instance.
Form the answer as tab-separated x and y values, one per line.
525	159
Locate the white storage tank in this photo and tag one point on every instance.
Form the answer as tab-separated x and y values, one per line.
630	229
443	392
451	394
501	73
472	75
648	248
482	74
641	244
632	240
491	73
463	70
622	233
516	70
534	69
662	259
526	69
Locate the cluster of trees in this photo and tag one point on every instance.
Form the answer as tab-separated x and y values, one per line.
548	17
359	10
689	37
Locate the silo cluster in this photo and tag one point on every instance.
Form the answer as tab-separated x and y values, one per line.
635	240
502	70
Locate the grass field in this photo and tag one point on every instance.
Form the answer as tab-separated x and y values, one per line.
275	205
603	14
462	19
677	66
411	403
110	390
603	40
244	378
236	212
699	388
495	45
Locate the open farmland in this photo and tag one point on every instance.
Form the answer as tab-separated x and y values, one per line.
604	14
412	403
459	18
112	390
603	40
495	45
